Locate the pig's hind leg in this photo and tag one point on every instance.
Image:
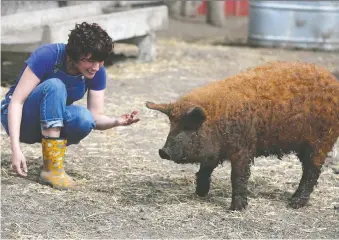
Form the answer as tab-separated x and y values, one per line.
312	160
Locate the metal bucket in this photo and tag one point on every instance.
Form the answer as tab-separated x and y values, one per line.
294	24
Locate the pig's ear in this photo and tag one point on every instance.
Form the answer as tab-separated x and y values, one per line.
194	117
164	108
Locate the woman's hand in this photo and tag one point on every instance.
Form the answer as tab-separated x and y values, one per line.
19	163
128	119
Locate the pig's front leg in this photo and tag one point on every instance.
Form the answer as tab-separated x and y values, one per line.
240	173
203	180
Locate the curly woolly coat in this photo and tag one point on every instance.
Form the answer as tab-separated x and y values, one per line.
275	108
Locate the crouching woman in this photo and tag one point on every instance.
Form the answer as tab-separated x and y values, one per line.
39	106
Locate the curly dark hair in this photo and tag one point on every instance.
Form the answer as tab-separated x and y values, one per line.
87	39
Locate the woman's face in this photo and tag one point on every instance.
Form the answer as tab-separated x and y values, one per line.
88	67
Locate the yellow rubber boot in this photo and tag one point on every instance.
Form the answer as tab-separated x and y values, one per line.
53	173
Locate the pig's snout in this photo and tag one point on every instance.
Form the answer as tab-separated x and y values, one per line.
164	154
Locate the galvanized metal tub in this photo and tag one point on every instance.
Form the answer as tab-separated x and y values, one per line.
294	24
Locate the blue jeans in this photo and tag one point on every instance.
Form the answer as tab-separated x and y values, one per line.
45	108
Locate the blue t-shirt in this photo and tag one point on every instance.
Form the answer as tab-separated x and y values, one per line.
48	61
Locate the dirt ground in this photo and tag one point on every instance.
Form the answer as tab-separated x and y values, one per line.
127	191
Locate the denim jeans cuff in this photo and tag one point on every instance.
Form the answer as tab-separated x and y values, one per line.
52	124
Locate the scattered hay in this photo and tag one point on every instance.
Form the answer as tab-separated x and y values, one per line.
127	191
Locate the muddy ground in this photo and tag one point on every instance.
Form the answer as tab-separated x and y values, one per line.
127	191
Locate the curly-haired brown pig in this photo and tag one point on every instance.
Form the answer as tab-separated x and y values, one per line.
271	109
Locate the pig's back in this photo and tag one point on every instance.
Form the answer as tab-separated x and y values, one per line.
298	100
277	81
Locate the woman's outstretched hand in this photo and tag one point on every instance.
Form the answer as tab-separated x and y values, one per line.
128	119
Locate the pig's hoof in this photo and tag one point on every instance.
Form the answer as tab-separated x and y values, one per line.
202	191
298	202
238	203
202	187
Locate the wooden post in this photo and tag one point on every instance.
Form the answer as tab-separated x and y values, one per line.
215	13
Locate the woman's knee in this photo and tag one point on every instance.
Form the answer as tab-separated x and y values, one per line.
79	123
86	121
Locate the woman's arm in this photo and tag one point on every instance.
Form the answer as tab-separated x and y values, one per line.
95	103
27	83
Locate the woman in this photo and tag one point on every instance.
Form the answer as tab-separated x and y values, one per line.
39	107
